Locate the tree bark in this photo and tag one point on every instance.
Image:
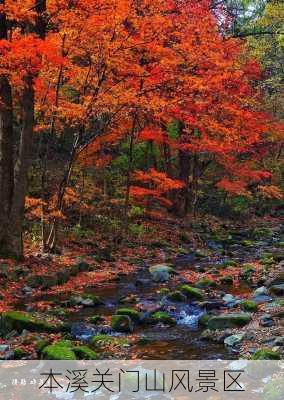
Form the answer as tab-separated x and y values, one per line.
6	144
14	175
14	243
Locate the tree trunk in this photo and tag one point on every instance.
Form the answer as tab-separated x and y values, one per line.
14	178
6	145
14	244
181	204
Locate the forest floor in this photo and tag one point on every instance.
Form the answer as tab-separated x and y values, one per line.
206	290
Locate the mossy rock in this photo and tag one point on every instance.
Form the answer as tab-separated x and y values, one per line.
161	272
61	350
96	299
266	354
227	280
225	321
164	291
122	323
20	353
177	296
100	341
133	314
191	293
95	319
206	283
18	321
163	317
84	353
249	306
40	345
203	320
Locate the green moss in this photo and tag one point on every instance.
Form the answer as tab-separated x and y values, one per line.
96	319
225	321
121	323
100	341
164	291
164	317
249	306
84	353
58	351
191	293
20	353
133	314
18	320
96	299
203	320
266	354
227	280
206	283
176	296
40	345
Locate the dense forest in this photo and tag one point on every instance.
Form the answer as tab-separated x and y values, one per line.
141	178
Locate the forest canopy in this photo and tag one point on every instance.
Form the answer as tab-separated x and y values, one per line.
117	109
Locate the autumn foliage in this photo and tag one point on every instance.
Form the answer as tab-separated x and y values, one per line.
108	72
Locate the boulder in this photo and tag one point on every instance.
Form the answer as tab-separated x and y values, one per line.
225	321
266	321
234	340
131	312
160	272
230	301
84	353
260	291
176	296
191	293
61	350
205	283
19	321
122	323
278	290
163	317
227	280
249	306
266	354
101	341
